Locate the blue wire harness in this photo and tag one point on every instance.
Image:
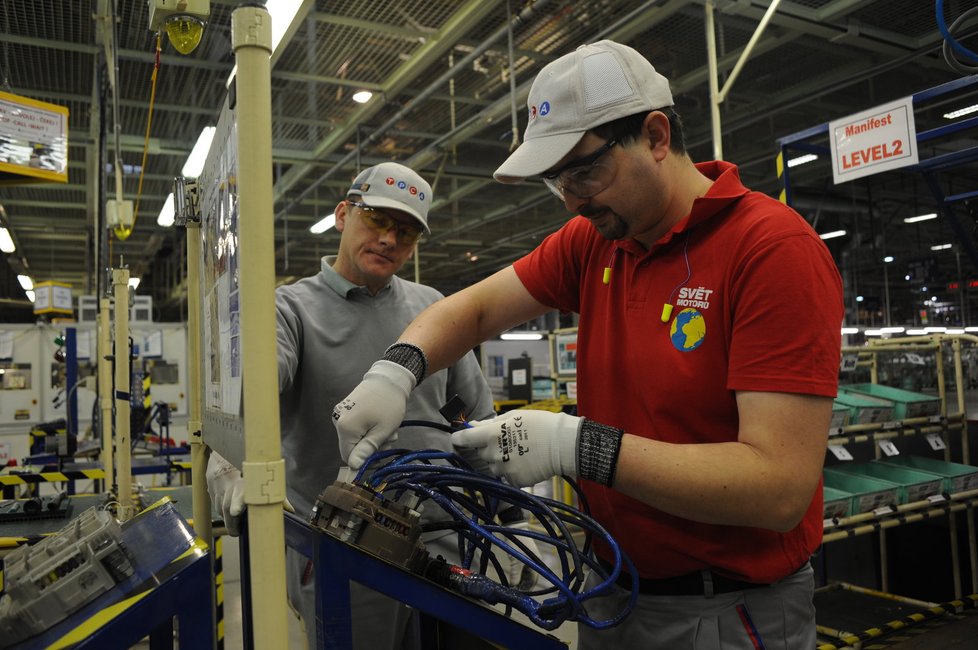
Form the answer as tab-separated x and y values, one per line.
951	45
473	500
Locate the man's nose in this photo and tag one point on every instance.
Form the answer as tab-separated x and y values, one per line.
389	236
574	203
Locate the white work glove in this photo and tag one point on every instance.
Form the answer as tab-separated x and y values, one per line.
525	446
226	487
519	574
369	416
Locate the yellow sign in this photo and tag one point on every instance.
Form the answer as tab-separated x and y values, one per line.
52	298
33	141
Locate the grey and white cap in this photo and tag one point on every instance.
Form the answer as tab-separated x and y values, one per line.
593	85
392	185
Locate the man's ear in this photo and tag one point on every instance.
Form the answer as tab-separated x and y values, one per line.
656	130
340	213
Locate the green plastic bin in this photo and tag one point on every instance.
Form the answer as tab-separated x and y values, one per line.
864	409
906	404
957	477
914	484
868	493
837	504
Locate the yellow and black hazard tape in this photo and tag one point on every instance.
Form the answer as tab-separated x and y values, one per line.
860	638
147	390
779	164
219	589
52	477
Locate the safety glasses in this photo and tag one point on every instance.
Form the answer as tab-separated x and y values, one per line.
381	222
585	176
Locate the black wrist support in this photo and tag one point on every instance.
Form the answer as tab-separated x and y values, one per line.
409	356
597	451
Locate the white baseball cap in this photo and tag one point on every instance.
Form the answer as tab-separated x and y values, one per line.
392	185
593	85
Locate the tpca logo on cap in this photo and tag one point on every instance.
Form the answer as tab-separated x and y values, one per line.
543	111
401	185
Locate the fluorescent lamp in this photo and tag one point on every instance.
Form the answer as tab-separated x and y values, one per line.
921	217
323	225
833	234
954	330
873	332
362	96
916	332
940	247
971	329
967	110
801	160
521	336
892	330
935	330
166	214
134	283
888	259
25	282
850	330
195	162
30	295
859	298
6	241
282	13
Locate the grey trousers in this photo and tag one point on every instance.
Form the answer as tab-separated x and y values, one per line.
778	617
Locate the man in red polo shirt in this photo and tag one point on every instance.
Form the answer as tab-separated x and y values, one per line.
709	342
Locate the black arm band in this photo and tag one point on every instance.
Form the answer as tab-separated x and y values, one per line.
409	356
597	451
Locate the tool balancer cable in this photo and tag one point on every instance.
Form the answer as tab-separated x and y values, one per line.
472	500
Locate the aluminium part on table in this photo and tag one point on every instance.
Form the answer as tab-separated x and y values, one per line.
47	582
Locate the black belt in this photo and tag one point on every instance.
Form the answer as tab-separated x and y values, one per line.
696	583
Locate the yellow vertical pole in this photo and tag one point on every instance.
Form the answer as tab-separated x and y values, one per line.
120	289
263	467
198	452
105	391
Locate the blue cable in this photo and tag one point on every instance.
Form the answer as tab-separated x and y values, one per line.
946	33
472	500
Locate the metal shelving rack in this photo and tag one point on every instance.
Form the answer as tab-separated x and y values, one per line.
952	418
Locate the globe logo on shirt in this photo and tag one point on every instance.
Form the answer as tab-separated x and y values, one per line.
688	330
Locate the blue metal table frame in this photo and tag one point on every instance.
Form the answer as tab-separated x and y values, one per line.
337	563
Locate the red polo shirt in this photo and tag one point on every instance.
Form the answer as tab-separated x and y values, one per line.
757	305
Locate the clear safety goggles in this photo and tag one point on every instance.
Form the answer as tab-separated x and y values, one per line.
585	176
381	222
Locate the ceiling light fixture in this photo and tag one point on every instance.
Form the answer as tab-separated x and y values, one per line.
920	217
197	157
850	330
940	247
167	213
967	110
323	225
30	295
521	336
134	283
362	96
25	282
283	13
833	234
6	241
801	160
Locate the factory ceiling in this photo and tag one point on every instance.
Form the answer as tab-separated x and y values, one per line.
449	78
